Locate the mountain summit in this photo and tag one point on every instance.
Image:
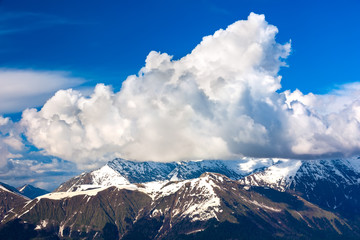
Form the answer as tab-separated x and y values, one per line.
120	171
31	191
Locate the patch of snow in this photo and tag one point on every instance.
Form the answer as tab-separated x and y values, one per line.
106	176
62	195
195	231
23	188
43	224
261	205
61	230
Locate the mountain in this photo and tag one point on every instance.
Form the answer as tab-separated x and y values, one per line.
216	207
242	199
120	171
331	184
10	198
31	191
211	206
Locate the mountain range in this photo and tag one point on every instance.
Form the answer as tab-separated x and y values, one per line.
30	191
205	199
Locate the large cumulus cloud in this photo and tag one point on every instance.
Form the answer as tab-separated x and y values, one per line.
222	100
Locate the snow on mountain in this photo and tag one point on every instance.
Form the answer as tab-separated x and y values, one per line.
206	203
137	172
204	207
107	176
279	176
10	198
167	209
332	184
8	188
234	169
102	177
120	171
4	188
287	174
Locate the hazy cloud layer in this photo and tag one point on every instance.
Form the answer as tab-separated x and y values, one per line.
220	101
44	174
19	165
11	143
22	89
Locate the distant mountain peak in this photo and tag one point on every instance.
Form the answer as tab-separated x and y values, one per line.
8	188
31	191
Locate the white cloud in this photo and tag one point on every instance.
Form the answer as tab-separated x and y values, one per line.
3	121
220	101
19	165
325	124
21	89
10	140
45	174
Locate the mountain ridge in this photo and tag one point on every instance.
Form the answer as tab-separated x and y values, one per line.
31	191
124	171
271	198
332	184
177	210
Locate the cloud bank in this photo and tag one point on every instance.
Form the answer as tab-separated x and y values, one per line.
19	165
221	101
21	89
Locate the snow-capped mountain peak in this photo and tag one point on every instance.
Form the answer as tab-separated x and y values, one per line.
120	171
332	184
278	176
31	191
107	176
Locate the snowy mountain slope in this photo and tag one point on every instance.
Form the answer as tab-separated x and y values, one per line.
138	172
234	169
102	177
333	184
278	176
176	209
215	198
120	171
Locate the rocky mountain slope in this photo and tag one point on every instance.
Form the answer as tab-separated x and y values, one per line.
332	184
31	191
10	198
187	209
120	171
249	198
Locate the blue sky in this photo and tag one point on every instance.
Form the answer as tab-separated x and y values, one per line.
107	42
46	46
